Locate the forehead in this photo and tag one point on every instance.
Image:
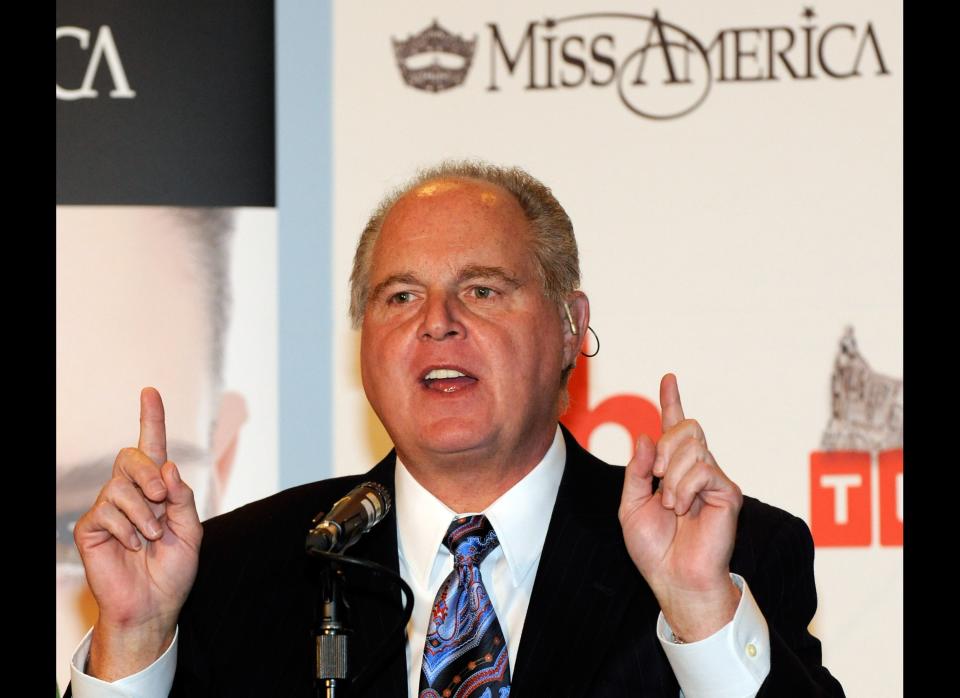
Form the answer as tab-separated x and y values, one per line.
455	217
132	311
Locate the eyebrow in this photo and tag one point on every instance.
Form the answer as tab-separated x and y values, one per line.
477	271
406	277
467	273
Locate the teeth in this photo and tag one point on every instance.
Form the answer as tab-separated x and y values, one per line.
444	373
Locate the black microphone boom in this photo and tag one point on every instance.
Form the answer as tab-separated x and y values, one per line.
361	509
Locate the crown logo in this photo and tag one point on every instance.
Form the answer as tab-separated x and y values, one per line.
435	59
867	409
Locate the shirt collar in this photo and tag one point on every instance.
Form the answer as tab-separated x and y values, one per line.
520	516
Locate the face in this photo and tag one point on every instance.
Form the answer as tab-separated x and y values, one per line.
461	352
120	327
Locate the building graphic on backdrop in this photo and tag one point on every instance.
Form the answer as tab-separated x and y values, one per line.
856	478
657	68
867	410
435	59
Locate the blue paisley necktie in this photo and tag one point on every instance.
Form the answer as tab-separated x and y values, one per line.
465	655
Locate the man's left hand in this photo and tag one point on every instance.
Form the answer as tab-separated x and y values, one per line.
681	536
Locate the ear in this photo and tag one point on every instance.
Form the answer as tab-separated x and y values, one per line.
230	420
574	334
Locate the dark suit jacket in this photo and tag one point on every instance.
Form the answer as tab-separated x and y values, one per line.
590	629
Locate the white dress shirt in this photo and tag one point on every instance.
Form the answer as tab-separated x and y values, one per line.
520	517
731	663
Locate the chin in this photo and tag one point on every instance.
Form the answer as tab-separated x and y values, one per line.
452	435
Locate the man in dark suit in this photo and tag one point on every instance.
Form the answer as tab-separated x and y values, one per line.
648	579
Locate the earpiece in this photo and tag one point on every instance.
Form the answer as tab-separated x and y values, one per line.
573	325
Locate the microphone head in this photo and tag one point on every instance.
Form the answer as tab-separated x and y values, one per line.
379	498
350	517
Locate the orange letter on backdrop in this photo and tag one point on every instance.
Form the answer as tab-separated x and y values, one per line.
635	414
891	497
840	498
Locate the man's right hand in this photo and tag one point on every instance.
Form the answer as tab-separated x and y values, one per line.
140	543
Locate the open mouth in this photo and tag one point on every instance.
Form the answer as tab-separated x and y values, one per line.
447	380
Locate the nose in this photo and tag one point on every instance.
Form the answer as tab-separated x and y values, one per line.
440	318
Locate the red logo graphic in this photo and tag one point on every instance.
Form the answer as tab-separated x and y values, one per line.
842	498
634	413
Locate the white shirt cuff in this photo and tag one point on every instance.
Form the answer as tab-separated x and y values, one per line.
731	663
155	681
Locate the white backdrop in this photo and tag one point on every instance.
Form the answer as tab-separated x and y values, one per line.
732	245
250	354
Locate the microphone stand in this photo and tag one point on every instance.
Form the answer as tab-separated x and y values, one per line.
331	633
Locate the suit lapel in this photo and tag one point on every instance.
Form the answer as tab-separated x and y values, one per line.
585	582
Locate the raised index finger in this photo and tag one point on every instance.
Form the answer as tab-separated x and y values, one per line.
153	430
671	411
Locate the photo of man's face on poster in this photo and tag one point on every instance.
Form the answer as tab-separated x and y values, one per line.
144	298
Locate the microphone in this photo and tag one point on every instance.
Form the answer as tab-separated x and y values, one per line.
351	516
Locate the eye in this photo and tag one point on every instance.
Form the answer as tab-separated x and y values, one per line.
400	298
483	292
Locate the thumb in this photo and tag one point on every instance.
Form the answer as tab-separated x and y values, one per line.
638	480
181	508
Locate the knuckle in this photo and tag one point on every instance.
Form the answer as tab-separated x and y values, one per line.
695	427
115	486
127	453
125	461
100	510
79	527
692	442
